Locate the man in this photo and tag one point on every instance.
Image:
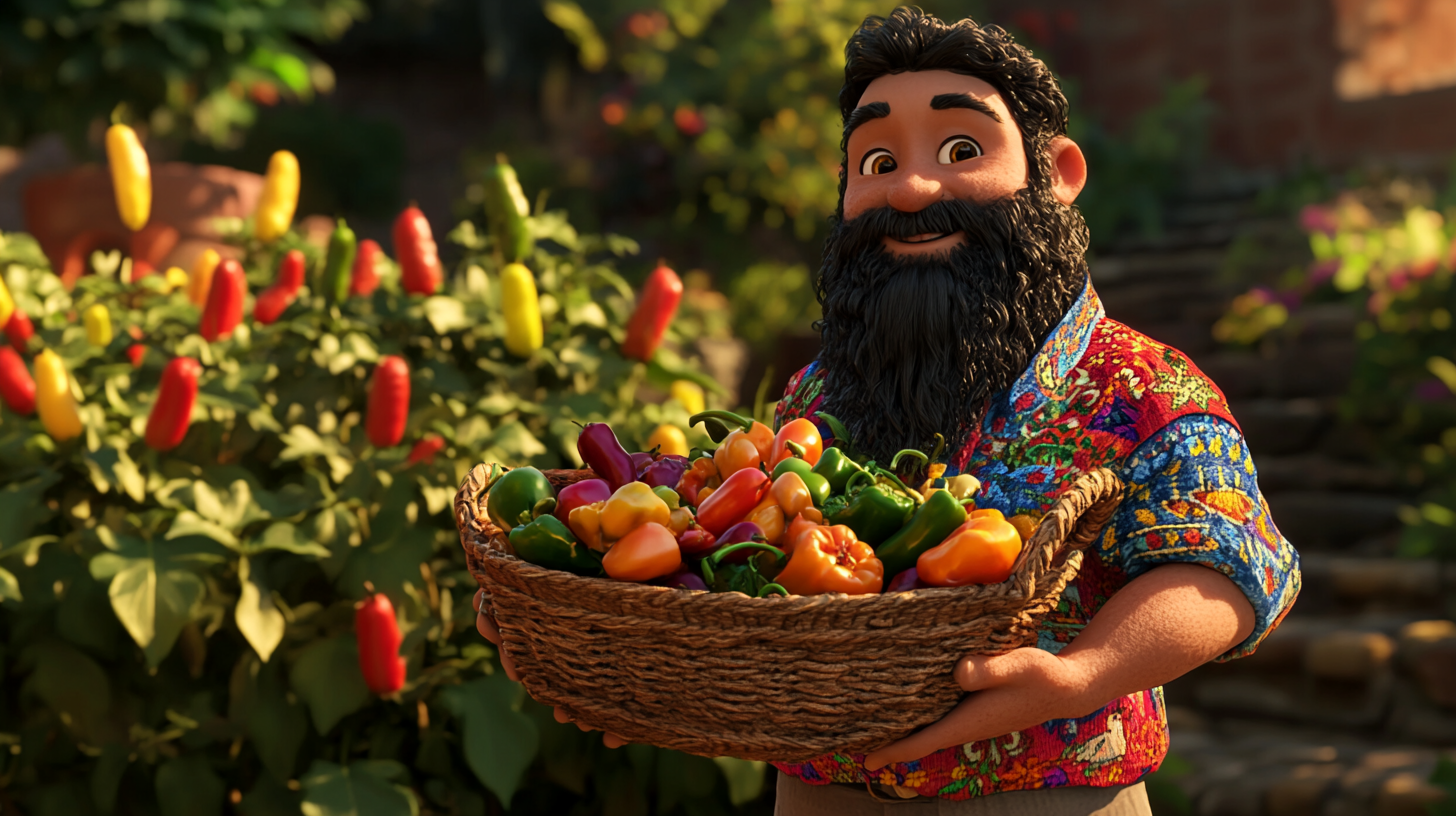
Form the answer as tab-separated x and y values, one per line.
957	303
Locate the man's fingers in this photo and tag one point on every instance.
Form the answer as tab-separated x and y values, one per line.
509	665
479	597
560	714
486	627
612	740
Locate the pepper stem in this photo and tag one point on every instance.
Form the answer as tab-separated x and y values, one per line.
796	449
924	460
772	589
718	556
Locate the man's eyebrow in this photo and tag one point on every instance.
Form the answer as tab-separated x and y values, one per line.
865	113
962	100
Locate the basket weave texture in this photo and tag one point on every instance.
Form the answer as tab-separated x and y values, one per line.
780	679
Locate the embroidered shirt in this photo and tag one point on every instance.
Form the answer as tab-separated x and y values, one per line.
1098	394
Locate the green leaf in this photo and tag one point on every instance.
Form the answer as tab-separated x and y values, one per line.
667	367
9	586
446	314
261	706
187	786
66	680
189	523
106	777
745	778
152	600
288	538
500	741
327	677
363	788
22	506
257	616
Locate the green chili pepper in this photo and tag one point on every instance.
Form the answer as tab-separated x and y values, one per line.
937	518
546	542
835	466
874	513
338	269
516	492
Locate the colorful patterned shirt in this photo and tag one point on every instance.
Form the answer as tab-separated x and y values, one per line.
1099	394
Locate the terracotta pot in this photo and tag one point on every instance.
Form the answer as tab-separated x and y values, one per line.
72	214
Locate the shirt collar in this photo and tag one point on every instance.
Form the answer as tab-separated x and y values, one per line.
1061	351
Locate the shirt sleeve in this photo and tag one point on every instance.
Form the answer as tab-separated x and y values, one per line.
1193	498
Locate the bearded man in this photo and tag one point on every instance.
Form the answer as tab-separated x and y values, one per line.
957	305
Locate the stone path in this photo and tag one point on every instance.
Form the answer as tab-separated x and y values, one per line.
1345	709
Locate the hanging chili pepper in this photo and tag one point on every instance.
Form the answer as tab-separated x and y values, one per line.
276	205
136	354
199	283
19	330
522	309
172	412
379	639
419	257
7	304
389	396
365	277
655	308
224	310
131	176
291	272
506	211
273	301
53	397
339	263
98	325
424	450
16	386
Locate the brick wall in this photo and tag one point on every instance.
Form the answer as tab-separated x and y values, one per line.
1271	66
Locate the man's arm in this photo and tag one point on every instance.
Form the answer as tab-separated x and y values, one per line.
1163	624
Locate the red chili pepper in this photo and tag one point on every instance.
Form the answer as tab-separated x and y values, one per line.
17	387
172	412
419	259
378	634
290	272
270	305
364	278
389	396
655	308
19	330
137	354
224	309
728	505
425	449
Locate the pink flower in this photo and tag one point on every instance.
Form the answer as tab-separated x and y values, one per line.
1314	218
1321	271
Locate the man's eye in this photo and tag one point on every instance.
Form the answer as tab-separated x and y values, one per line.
957	149
877	162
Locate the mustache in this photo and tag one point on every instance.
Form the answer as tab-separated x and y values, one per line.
981	223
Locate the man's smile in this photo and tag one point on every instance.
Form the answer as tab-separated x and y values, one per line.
924	242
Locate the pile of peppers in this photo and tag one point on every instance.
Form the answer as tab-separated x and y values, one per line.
763	513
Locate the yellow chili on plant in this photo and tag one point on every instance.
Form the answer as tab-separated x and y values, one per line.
276	205
131	175
7	304
522	310
98	325
53	397
689	394
199	283
669	440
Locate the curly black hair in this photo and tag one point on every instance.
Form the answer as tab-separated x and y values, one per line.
911	40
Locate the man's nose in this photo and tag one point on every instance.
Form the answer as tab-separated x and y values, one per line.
914	192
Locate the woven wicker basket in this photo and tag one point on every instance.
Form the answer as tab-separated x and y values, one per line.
784	679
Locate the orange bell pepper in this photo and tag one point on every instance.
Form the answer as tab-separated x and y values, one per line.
981	551
633	505
769	518
803	433
802	524
736	453
1025	525
831	559
702	474
648	552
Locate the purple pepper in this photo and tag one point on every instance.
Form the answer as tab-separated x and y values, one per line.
682	579
665	472
584	492
906	581
601	452
640	462
737	534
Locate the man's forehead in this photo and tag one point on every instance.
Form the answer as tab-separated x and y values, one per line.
920	87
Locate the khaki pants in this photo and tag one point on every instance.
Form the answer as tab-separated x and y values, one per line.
797	798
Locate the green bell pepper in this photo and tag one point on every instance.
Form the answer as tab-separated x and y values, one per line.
874	513
837	468
937	518
792	464
818	488
546	542
516	492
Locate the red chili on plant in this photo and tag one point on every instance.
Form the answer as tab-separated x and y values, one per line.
364	278
389	396
424	450
419	258
224	309
172	412
19	330
655	308
378	634
17	387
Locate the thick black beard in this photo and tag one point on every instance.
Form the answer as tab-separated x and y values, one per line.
914	346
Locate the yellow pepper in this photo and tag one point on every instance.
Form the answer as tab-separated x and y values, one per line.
53	398
279	199
668	439
791	494
522	310
689	394
586	524
7	304
199	283
98	325
131	175
633	505
176	278
963	486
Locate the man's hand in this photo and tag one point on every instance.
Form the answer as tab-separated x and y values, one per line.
487	629
1161	625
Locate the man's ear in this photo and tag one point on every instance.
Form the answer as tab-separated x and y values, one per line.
1069	169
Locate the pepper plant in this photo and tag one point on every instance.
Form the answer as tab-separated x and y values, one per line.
178	628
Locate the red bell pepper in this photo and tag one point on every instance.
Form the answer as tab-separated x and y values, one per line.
655	309
224	309
17	387
580	494
419	258
727	506
389	396
379	639
172	412
364	278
